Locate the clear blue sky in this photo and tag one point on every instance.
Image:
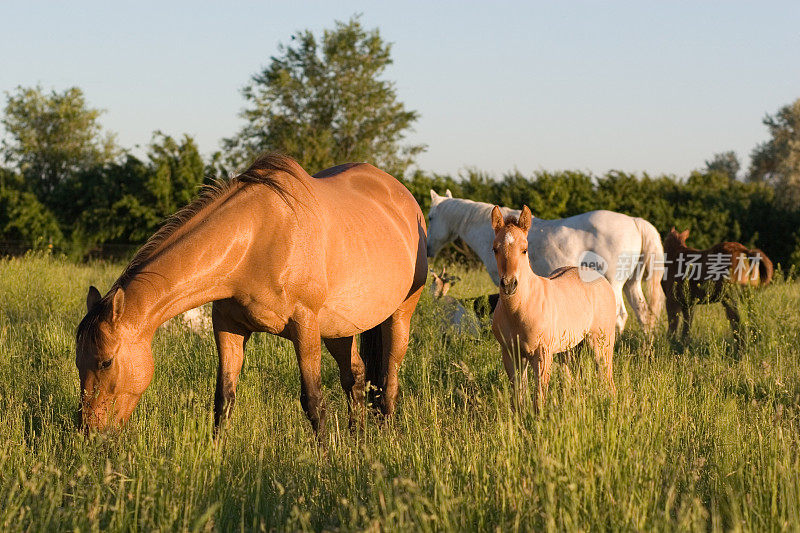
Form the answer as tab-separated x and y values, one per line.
638	86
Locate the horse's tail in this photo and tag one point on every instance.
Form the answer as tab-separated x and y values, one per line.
371	350
765	268
653	260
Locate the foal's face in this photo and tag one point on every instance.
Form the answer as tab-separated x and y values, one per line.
510	249
113	372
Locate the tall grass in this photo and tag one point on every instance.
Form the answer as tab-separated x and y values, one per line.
704	439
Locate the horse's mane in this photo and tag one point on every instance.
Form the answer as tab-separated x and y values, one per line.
478	212
265	170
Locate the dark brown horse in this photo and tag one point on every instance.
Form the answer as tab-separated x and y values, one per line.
693	276
312	259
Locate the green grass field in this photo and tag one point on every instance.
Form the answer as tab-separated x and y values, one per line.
703	440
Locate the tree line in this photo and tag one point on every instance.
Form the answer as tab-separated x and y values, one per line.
323	99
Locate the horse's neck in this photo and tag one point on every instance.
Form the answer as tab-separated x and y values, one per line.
155	296
473	228
190	268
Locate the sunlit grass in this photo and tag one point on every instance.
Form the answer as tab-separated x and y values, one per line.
704	439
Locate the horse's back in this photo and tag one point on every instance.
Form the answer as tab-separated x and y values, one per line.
588	285
374	238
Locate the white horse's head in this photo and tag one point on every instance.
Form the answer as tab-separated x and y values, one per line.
440	231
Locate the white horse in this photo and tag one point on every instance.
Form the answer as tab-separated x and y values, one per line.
622	248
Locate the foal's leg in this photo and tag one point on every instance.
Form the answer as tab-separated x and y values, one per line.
602	342
231	339
542	365
516	367
308	348
395	332
351	374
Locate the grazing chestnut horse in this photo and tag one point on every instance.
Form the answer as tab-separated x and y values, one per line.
537	317
310	259
695	276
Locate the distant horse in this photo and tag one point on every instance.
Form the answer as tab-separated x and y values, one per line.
695	276
624	249
276	250
537	317
458	318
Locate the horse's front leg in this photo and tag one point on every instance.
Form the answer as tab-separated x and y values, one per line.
230	338
688	314
674	311
516	366
308	348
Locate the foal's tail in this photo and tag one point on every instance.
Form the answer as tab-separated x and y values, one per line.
765	269
652	259
371	350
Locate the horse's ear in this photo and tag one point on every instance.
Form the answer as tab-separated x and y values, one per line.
117	305
685	234
497	219
92	298
673	230
448	193
524	221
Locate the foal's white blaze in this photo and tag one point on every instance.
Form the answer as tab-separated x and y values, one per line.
509	238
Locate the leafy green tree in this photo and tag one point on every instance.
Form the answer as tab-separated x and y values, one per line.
777	161
324	102
177	172
725	162
23	218
53	136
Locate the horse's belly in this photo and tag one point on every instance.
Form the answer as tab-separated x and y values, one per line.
345	316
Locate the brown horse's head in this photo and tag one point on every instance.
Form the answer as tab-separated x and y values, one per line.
511	248
676	236
114	367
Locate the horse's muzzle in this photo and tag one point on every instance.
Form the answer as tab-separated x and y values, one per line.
508	285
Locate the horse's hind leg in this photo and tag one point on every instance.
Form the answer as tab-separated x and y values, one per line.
622	313
395	332
308	348
732	312
351	374
231	339
602	342
635	295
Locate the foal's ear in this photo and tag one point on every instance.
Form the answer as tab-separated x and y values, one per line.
448	193
92	298
684	234
117	305
497	219
524	221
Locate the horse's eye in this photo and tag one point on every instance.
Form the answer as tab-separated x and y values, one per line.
525	251
494	249
102	365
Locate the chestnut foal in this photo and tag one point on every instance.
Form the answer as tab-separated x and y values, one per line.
537	317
